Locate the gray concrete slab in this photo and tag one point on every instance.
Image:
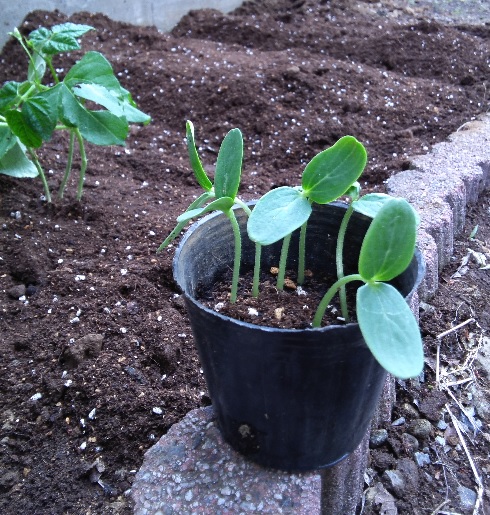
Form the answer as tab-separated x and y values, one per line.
164	14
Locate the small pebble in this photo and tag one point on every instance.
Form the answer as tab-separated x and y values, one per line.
378	437
410	443
422	459
420	428
398	422
442	425
467	497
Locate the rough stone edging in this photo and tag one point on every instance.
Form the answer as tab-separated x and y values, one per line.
440	185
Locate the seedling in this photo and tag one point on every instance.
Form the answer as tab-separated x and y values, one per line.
222	194
31	111
385	320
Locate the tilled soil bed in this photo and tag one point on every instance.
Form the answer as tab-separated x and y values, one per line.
96	354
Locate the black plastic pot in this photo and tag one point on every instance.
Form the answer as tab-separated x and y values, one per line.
285	398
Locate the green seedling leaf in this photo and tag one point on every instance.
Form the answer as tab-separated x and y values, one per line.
97	127
36	69
389	243
10	94
41	115
220	204
26	134
332	172
354	191
94	68
207	195
371	203
61	38
277	214
196	164
390	329
7	140
229	165
106	98
16	164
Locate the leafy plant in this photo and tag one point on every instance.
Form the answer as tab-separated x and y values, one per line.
385	320
31	111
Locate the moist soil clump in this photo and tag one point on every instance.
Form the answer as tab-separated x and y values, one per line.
96	353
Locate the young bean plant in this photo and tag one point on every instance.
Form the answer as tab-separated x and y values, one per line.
89	104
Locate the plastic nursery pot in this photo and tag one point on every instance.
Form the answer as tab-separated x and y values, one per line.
285	398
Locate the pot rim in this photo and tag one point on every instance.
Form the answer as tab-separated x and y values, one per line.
418	256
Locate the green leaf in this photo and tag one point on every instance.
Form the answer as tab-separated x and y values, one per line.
390	329
61	38
94	68
37	68
98	127
389	243
277	214
16	164
10	94
41	115
229	165
331	172
196	164
106	98
22	129
371	203
207	195
7	140
220	204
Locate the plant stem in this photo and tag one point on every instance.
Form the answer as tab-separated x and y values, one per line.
35	160
238	253
244	206
301	254
322	307
69	162
282	262
52	70
83	166
339	254
255	286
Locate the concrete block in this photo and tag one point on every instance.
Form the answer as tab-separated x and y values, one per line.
193	470
163	14
423	185
430	282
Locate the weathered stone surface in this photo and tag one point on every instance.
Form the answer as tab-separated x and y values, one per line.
342	484
193	470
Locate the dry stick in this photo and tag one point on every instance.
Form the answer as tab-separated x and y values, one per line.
439	337
437	510
455	328
467	415
470	459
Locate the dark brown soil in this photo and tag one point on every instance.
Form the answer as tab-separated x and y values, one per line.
97	362
292	307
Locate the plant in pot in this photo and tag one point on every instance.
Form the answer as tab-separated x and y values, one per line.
300	398
33	110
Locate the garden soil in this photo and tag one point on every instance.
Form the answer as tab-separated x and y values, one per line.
96	353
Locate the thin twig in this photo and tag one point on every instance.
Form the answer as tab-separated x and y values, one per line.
455	328
470	459
467	415
437	510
